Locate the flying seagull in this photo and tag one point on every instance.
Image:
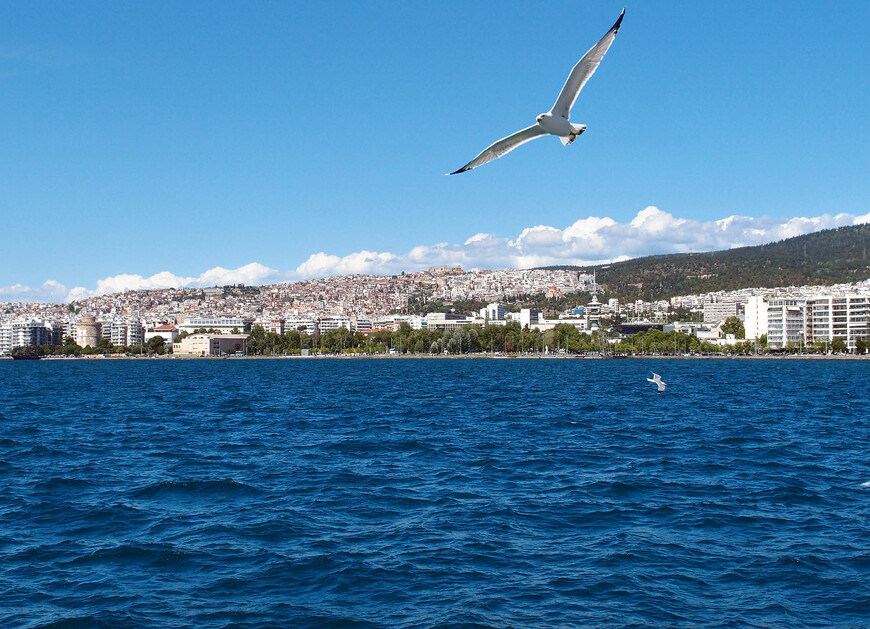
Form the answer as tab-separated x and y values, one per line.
554	122
657	380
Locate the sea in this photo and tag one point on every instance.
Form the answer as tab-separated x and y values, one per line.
434	493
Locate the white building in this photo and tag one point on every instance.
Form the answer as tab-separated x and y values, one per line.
23	333
223	325
719	311
325	324
785	322
449	321
167	332
493	312
308	326
529	317
271	325
844	316
755	321
358	323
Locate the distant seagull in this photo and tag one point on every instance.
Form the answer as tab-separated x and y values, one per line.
657	380
554	122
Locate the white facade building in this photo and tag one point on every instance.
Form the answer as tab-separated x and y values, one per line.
325	324
755	321
843	316
719	311
450	321
529	317
223	325
167	332
493	312
23	333
785	322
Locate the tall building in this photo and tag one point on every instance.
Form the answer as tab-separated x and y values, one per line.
755	322
23	333
719	311
846	316
785	322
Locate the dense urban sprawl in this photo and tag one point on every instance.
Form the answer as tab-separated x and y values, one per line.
205	321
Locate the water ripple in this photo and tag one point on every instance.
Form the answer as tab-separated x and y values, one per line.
466	493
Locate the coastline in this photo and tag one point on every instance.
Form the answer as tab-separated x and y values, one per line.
480	356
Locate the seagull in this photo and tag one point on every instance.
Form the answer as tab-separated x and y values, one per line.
657	380
554	122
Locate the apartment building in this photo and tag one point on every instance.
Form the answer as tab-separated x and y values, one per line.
720	310
785	322
846	316
755	317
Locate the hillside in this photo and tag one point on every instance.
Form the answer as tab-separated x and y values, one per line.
827	257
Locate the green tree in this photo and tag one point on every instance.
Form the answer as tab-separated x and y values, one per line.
838	345
733	325
157	344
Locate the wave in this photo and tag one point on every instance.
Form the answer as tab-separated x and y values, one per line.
198	488
140	554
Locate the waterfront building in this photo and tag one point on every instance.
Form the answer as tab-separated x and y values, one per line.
23	333
167	332
450	321
325	324
845	316
359	323
223	325
271	325
5	339
87	331
135	333
305	325
211	345
529	317
720	310
755	317
785	322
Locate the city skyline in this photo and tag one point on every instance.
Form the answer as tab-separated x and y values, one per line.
184	146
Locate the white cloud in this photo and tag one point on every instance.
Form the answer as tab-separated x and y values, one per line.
253	273
321	264
586	241
50	291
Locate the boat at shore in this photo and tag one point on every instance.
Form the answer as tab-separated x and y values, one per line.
26	356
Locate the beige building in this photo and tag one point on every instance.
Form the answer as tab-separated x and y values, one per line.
211	345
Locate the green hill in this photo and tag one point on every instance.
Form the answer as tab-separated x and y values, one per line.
831	256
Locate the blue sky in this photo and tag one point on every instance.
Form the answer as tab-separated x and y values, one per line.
213	142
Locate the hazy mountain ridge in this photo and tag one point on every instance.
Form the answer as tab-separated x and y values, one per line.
825	257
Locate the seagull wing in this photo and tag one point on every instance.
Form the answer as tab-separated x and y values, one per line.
503	146
584	69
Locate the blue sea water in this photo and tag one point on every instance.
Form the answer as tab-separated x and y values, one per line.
434	493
